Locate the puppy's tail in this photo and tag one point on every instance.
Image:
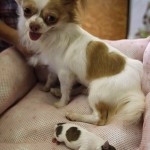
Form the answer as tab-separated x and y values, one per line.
131	109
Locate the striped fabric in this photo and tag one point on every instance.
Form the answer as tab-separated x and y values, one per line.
8	14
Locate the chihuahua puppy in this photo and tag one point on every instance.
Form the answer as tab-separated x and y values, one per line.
78	138
51	28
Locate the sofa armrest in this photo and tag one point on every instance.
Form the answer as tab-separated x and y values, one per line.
16	78
145	143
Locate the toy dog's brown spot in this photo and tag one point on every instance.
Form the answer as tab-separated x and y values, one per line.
73	134
101	62
59	130
106	146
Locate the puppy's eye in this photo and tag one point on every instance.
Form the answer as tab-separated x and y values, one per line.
27	12
51	19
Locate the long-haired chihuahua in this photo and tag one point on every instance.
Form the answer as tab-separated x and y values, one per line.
51	28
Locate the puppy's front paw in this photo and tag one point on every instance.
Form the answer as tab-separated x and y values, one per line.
59	104
55	92
44	89
70	116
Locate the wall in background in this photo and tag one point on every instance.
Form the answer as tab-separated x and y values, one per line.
106	18
139	23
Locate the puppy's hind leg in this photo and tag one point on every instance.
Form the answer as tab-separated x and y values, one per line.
67	79
98	117
51	79
100	111
92	119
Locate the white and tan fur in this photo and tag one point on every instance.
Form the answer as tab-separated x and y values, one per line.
71	54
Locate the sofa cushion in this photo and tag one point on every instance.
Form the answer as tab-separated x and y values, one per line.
16	78
31	122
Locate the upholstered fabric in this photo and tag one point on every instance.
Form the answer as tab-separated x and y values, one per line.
29	123
145	143
33	119
16	78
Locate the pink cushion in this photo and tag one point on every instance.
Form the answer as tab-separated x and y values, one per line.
32	121
29	124
145	144
16	78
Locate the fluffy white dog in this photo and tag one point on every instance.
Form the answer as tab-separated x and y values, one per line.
52	30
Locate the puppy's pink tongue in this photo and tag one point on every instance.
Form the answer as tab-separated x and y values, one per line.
34	36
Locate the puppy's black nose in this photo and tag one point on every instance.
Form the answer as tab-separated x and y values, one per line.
35	27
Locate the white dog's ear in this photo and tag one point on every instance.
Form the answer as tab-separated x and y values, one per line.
82	2
19	2
66	2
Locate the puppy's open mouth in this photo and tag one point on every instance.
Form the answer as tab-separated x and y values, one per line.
34	36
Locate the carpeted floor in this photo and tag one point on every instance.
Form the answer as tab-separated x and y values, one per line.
106	19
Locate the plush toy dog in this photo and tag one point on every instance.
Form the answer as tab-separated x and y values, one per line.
78	138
